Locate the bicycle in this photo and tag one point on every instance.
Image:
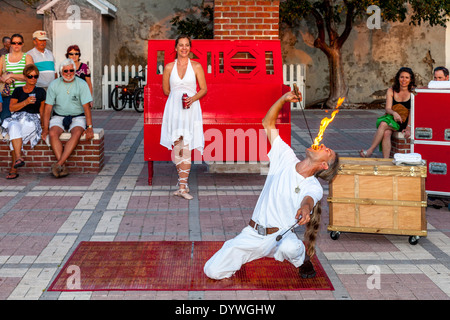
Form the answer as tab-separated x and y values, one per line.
132	93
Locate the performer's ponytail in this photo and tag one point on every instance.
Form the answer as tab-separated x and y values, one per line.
312	229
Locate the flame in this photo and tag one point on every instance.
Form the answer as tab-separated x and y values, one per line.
324	124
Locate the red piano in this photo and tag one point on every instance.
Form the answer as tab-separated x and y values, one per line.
244	78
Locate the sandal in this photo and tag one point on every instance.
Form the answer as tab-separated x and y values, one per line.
64	172
19	163
12	175
363	154
56	170
183	193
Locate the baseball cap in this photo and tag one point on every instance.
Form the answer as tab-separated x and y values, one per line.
40	35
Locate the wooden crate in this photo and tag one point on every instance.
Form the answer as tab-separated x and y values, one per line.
372	195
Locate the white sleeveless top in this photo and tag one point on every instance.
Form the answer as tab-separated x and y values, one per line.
182	122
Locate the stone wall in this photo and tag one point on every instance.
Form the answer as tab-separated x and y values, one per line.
19	18
371	57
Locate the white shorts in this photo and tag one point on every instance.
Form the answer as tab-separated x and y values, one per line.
76	122
249	246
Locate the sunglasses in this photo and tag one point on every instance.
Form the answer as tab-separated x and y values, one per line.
74	54
31	77
68	70
17	43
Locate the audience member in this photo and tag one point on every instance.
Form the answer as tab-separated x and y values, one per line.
11	70
6	46
83	71
399	93
24	125
441	79
440	74
69	98
43	59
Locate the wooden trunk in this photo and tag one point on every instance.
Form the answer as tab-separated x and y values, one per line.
376	196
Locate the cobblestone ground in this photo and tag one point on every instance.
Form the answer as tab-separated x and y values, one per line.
42	221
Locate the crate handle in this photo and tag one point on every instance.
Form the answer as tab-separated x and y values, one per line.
438	168
447	134
423	133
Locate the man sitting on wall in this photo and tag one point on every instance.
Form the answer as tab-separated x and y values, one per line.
69	97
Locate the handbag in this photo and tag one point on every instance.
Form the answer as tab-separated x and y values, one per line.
402	111
5	88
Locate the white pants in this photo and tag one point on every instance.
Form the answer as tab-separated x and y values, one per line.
249	246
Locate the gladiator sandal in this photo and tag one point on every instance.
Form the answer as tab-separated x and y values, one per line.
183	192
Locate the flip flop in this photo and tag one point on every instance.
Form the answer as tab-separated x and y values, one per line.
12	175
363	154
19	163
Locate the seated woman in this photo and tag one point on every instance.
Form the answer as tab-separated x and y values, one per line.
24	125
400	93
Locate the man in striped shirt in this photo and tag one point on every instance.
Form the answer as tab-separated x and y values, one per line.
43	59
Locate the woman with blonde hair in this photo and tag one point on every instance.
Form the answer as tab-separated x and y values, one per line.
24	125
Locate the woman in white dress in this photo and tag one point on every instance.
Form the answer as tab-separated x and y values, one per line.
182	128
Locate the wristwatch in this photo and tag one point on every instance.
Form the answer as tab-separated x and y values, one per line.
90	127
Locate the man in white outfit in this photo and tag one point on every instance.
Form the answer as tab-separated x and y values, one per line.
289	195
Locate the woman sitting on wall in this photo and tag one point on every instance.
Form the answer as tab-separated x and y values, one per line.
399	94
24	125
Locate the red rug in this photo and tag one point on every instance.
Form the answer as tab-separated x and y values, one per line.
173	266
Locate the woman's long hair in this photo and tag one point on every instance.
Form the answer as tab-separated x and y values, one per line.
412	83
312	227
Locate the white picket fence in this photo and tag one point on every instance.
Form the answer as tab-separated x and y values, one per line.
119	75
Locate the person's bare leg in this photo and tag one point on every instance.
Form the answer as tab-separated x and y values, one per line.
386	143
70	145
376	139
56	144
183	163
17	146
13	171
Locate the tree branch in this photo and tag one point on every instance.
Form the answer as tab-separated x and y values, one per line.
348	24
330	23
320	40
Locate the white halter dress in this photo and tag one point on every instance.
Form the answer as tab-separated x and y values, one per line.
182	122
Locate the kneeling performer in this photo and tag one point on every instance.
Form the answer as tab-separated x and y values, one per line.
291	193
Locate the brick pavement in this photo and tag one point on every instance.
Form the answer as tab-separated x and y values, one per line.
42	220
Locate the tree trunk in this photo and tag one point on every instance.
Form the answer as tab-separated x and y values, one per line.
338	86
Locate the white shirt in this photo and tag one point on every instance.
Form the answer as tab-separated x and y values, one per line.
278	202
434	84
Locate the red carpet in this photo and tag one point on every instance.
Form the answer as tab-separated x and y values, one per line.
172	266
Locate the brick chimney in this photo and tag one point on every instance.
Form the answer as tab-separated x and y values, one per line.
246	19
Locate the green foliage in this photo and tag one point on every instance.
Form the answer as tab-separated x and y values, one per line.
31	3
435	12
194	26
